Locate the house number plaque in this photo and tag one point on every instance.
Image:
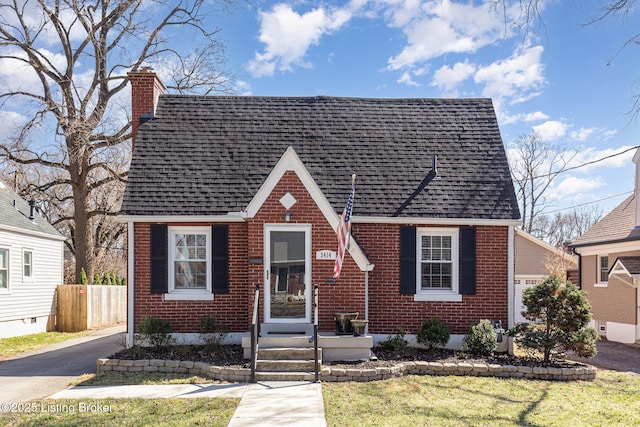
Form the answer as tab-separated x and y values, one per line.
326	254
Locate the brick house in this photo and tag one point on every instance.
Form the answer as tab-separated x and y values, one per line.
226	193
609	264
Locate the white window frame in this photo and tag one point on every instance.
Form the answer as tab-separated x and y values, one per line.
28	278
198	294
453	294
7	268
600	283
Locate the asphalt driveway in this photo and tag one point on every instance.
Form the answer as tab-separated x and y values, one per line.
615	356
44	372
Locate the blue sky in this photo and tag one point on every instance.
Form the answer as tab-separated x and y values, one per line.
570	83
554	80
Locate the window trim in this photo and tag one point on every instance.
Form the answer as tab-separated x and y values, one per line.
199	294
452	294
7	290
28	278
599	282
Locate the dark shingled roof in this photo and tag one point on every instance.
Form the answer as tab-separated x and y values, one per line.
14	213
631	263
204	155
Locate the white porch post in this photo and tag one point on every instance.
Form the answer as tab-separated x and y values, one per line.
130	284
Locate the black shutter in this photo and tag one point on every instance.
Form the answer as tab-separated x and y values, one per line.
467	260
159	262
408	260
220	258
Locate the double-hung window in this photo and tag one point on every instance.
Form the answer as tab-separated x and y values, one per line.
190	261
603	269
27	264
4	270
437	275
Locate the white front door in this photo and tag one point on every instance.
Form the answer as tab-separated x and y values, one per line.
287	263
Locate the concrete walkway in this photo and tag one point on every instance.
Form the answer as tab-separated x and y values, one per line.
268	403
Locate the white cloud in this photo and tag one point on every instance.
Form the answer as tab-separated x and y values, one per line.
242	88
551	130
448	78
519	77
436	28
611	160
535	117
288	35
572	188
405	78
583	134
11	121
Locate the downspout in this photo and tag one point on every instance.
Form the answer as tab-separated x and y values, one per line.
366	300
130	285
511	282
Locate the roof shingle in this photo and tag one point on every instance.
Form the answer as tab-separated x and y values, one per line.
204	155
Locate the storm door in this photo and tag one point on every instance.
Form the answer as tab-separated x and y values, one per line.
287	273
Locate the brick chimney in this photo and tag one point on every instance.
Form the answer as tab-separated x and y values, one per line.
145	89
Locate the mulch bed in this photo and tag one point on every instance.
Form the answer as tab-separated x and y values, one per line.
232	356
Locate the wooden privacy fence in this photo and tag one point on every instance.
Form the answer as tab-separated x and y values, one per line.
82	307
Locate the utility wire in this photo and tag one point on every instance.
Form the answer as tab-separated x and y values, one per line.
587	163
589	203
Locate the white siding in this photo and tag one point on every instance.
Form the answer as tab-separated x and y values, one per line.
32	297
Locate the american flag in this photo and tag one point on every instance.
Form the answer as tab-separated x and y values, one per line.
344	230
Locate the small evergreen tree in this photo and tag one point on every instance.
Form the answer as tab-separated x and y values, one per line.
559	313
433	333
83	277
96	279
482	340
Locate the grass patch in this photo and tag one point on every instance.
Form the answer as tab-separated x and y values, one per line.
141	378
14	346
610	400
125	412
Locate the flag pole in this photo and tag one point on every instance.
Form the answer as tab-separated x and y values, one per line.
353	188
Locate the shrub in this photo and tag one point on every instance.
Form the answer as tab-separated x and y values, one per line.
212	333
83	277
433	333
559	313
155	332
395	342
482	340
96	279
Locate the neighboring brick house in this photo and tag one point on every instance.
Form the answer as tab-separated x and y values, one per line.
226	193
609	266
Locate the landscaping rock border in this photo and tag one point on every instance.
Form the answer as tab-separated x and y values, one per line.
340	374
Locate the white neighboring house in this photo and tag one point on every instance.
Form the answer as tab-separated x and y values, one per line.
31	266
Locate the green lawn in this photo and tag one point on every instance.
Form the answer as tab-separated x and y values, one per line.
14	346
612	400
125	412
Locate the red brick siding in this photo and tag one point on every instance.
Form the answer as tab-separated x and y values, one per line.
388	310
231	309
348	293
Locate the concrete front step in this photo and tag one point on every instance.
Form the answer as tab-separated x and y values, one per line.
285	376
288	353
286	365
